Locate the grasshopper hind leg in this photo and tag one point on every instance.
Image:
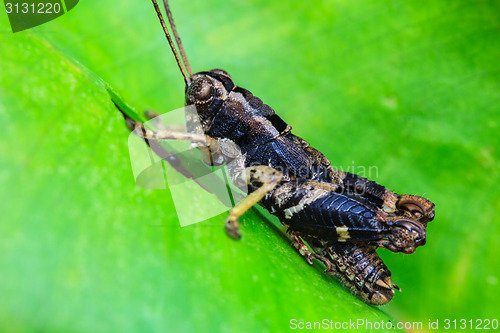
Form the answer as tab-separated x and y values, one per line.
360	268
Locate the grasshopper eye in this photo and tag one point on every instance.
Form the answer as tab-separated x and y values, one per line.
203	90
201	93
206	92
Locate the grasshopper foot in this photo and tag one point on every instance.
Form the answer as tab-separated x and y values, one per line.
233	228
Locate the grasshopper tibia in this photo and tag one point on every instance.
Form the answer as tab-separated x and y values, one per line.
265	179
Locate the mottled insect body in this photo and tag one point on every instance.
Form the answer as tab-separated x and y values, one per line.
344	217
309	199
359	268
318	210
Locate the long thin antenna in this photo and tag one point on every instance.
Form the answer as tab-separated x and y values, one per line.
177	38
171	43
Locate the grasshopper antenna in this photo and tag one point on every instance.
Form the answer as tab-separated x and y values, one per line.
177	38
183	64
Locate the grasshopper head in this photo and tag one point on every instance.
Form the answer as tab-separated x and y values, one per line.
207	90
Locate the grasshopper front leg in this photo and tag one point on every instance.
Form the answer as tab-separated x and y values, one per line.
161	135
263	176
208	146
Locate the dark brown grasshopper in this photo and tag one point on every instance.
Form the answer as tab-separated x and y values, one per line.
342	216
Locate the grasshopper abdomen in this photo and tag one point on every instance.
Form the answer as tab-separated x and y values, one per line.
315	209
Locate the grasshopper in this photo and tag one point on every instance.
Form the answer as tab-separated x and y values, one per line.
342	216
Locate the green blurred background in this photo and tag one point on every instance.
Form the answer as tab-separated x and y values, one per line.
411	87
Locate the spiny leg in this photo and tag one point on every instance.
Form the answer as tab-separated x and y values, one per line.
359	268
268	178
306	253
208	146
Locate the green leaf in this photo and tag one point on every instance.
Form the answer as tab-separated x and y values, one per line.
85	249
410	89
